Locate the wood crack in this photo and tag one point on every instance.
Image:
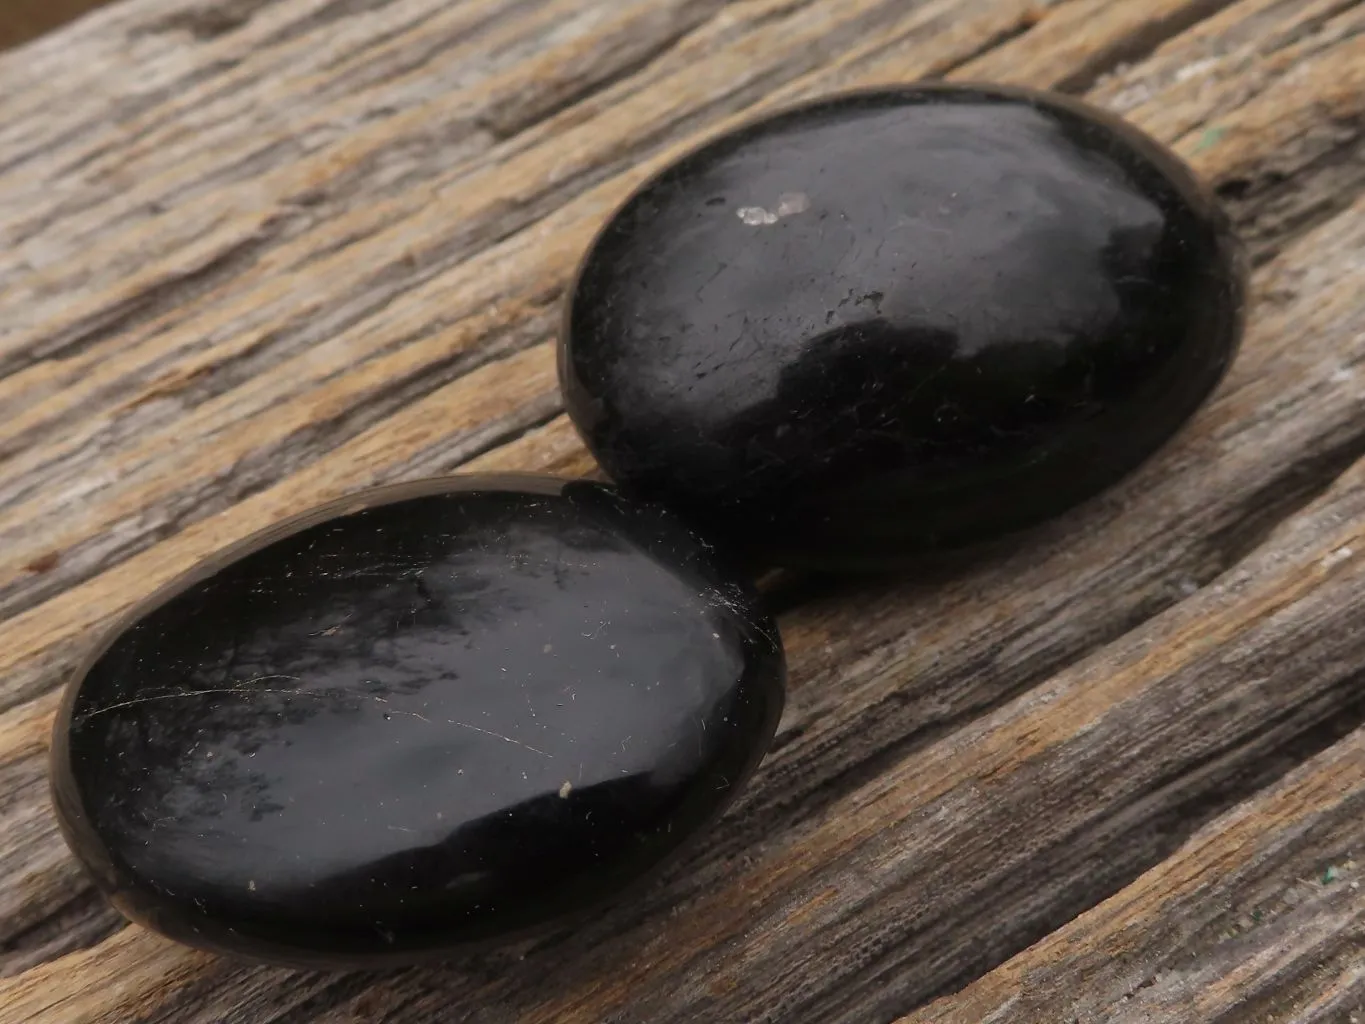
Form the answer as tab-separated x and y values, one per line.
1139	44
175	285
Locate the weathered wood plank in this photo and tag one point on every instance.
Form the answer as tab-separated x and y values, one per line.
46	879
304	349
1261	916
390	319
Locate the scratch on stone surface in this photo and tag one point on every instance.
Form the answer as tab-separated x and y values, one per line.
500	736
410	714
716	597
245	687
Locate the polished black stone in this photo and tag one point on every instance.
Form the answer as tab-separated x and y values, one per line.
901	320
473	709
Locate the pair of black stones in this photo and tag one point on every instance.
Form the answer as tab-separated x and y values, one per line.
445	714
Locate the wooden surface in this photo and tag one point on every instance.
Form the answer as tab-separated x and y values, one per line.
22	20
259	254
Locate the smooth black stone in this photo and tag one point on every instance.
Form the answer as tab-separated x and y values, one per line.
899	321
475	709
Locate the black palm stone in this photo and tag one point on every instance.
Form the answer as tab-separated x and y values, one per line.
900	320
468	710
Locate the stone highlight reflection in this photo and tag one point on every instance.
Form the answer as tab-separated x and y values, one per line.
900	320
471	709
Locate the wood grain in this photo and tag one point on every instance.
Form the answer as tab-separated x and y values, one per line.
256	256
1260	916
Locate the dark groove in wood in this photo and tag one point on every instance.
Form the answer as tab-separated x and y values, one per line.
1138	46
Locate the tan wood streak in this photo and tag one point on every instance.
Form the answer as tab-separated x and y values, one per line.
1241	36
1134	934
1082	38
24	732
237	434
1339	998
117	150
554	448
115	978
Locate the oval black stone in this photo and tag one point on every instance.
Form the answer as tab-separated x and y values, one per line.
471	709
900	320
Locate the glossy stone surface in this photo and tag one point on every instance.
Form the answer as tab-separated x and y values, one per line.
475	708
900	320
